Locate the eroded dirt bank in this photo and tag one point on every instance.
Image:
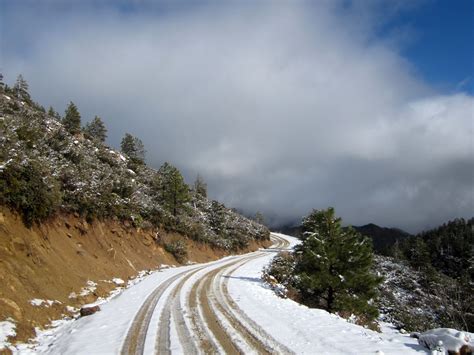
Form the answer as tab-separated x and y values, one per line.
57	260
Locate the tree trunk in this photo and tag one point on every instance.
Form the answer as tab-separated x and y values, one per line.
330	299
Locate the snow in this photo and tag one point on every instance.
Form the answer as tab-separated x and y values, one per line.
305	330
118	281
445	339
7	329
37	302
297	327
91	287
72	309
88	289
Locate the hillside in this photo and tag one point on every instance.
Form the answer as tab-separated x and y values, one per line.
82	175
46	169
76	213
382	238
448	248
444	257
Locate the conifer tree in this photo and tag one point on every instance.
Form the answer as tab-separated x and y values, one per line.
333	266
200	187
216	217
72	119
172	190
96	129
133	147
53	113
2	84
21	88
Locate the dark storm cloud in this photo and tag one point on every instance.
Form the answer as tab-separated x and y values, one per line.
282	107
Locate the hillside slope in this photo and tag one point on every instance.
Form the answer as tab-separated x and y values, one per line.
45	169
382	238
75	213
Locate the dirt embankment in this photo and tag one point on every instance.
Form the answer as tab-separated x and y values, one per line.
59	259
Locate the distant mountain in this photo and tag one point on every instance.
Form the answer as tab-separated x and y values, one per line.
382	238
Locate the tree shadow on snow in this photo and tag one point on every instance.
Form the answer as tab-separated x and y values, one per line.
243	278
418	347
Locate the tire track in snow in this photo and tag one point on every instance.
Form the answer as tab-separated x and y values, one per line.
134	342
216	323
173	309
213	311
237	332
206	319
255	331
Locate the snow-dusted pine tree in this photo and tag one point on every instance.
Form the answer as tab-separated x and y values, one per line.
217	217
172	190
333	266
2	84
134	148
96	129
72	119
21	88
54	114
200	187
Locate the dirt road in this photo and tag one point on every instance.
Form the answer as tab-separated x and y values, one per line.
196	314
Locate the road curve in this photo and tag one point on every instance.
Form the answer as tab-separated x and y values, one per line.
198	316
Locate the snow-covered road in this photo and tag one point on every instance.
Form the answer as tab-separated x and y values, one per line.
217	307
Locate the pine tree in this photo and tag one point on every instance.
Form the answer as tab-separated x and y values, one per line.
217	217
2	84
96	129
173	192
200	187
72	119
54	114
21	88
133	147
127	145
333	267
418	253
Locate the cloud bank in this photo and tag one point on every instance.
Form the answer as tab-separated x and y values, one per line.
282	107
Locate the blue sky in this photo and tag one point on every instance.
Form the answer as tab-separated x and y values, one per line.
442	44
282	106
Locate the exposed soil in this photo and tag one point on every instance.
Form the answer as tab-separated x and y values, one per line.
58	258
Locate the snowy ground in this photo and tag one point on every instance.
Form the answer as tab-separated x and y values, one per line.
305	330
221	306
